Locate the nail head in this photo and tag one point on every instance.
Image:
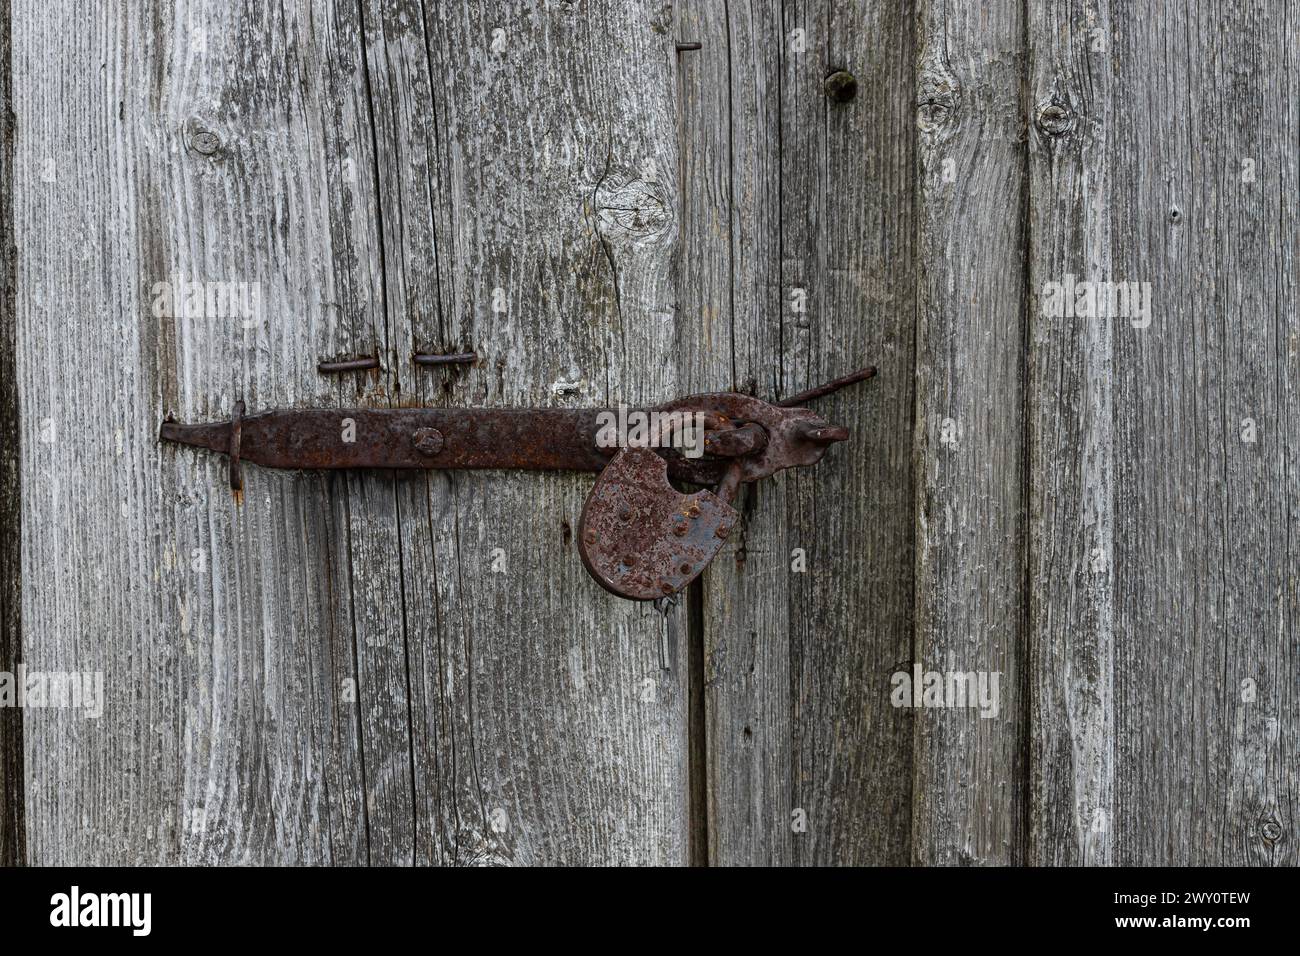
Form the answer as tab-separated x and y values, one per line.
841	86
427	441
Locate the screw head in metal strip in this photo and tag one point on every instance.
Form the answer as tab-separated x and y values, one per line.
427	441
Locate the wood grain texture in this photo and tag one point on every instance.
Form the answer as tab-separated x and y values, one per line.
797	267
731	304
203	155
12	850
545	729
968	796
334	671
1204	208
367	668
1071	414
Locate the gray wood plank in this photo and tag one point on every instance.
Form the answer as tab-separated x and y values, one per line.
797	267
730	302
530	214
342	681
12	850
226	736
401	123
1204	209
375	802
968	798
1070	593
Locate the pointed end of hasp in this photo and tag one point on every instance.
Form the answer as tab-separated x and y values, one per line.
213	435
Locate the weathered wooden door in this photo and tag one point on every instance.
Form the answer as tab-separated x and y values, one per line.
203	200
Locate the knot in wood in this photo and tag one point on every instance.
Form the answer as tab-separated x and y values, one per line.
933	115
632	210
201	138
938	95
1054	118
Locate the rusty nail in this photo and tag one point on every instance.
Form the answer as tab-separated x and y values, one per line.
624	513
458	358
630	560
799	398
722	531
686	569
689	46
680	528
348	365
427	441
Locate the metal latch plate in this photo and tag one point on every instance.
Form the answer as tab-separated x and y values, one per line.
641	538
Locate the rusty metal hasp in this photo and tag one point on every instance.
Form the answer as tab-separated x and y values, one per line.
639	536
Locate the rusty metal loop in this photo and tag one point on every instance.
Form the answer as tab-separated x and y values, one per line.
730	483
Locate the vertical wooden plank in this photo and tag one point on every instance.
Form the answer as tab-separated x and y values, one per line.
730	307
11	719
968	799
726	291
289	195
1070	595
76	508
1206	705
797	267
375	807
390	580
1264	780
853	615
348	664
227	735
373	320
530	213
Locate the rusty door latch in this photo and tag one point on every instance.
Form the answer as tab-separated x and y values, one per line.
639	537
